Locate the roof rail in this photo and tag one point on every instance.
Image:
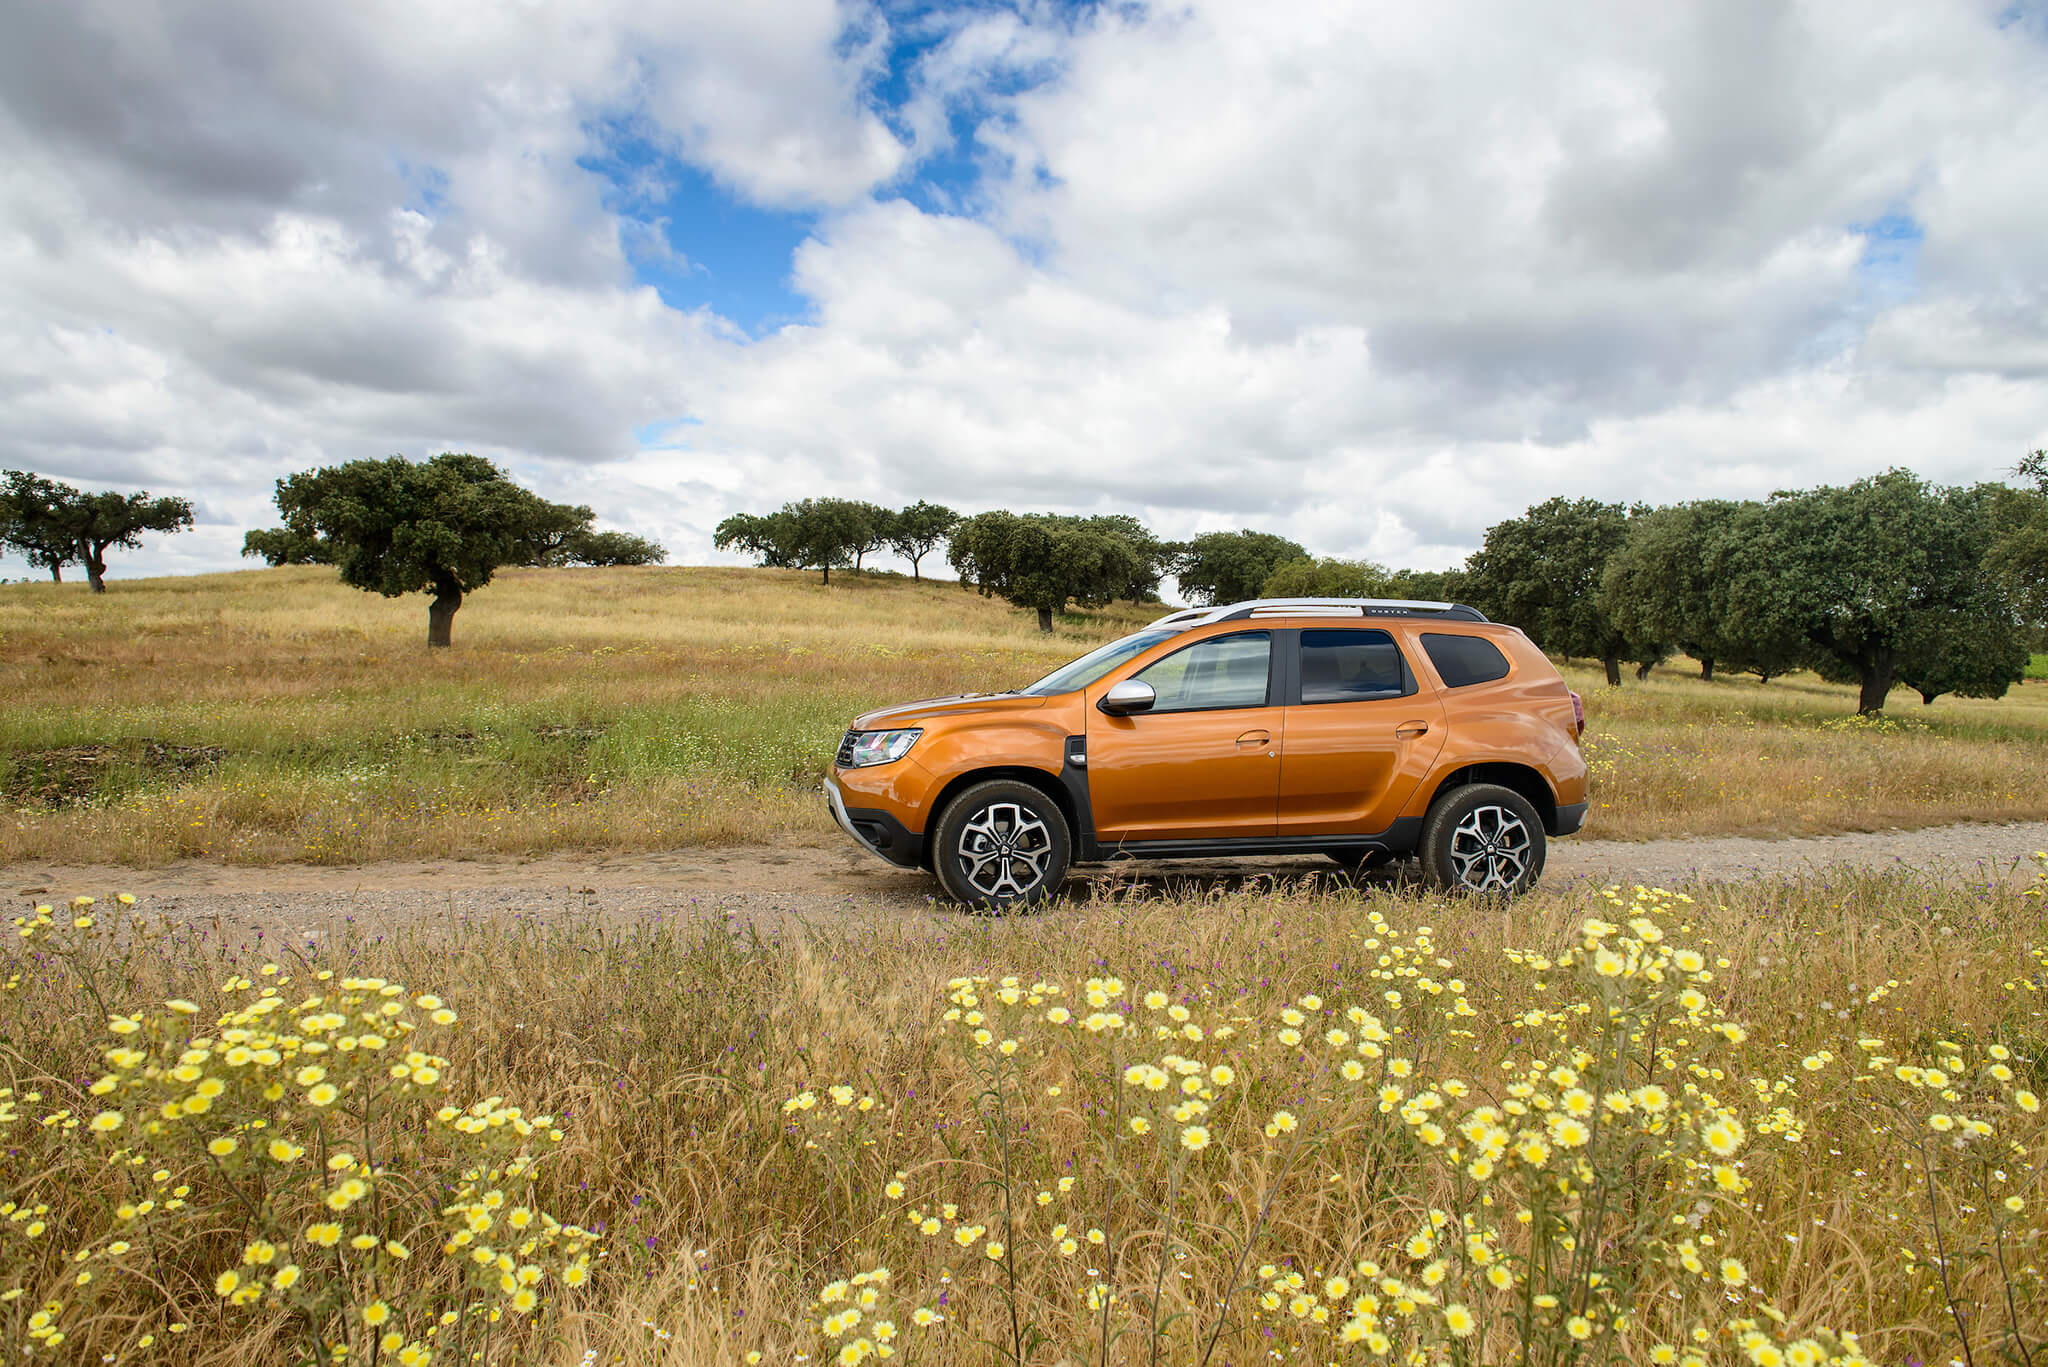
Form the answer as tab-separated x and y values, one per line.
1319	607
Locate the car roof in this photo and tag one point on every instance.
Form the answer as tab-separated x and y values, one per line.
1324	608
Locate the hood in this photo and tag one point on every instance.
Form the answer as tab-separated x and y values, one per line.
912	713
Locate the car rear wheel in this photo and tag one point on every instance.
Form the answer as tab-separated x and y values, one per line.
1482	838
1001	844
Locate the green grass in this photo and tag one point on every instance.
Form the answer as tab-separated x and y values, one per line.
2037	667
275	715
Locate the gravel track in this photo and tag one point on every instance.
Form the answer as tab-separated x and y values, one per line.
771	887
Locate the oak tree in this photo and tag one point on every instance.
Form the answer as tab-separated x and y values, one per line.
1881	580
54	525
446	525
1230	567
917	531
1044	561
1542	572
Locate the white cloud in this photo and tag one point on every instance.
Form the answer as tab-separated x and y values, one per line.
1371	275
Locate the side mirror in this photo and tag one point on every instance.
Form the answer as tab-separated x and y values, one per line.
1132	695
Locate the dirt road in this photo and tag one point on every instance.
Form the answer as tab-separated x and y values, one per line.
768	886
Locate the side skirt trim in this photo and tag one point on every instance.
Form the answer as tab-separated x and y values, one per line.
1399	839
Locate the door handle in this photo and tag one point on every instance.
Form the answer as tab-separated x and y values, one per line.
1254	738
1409	730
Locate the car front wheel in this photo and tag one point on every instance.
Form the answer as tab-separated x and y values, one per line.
1001	844
1482	838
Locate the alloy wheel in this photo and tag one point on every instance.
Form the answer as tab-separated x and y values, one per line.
1490	850
1004	850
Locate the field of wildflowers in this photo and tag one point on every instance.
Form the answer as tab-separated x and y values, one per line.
276	716
1788	1122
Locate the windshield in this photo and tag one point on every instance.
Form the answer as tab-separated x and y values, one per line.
1096	663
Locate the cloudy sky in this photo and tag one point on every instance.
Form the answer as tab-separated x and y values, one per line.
1374	275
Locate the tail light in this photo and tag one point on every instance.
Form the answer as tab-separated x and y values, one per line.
1578	713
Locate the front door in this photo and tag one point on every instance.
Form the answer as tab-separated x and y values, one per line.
1363	735
1204	762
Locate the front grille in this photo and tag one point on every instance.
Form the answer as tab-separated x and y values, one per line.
845	755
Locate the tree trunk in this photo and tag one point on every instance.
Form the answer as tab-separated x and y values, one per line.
441	613
96	571
1877	685
914	576
828	572
56	574
1926	698
1613	663
1045	619
1643	670
1707	668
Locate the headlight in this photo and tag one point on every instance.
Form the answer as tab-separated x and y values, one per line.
880	747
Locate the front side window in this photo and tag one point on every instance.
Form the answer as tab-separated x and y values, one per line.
1351	666
1223	671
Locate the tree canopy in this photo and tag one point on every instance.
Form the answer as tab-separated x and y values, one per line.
918	530
282	546
2018	556
1045	560
1327	578
54	525
447	524
33	520
1432	586
1154	557
1882	580
821	534
587	546
771	538
1230	567
1669	580
575	545
1542	571
825	534
868	526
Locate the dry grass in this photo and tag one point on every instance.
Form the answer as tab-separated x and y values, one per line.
668	1050
275	715
1675	755
580	709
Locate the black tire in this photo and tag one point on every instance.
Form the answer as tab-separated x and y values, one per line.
1022	838
1484	839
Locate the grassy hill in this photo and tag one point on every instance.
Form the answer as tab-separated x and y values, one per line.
275	715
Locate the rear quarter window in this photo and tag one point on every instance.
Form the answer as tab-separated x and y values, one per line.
1464	660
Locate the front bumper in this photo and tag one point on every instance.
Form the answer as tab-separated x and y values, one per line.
876	831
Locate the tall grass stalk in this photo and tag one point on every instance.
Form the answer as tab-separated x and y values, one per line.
1875	1027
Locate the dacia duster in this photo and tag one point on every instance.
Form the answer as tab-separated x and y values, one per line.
1362	730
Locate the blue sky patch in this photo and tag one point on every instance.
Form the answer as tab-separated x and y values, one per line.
1890	265
697	243
702	245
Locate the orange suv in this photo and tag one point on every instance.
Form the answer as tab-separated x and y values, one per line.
1360	730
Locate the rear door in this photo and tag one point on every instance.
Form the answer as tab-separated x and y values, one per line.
1204	762
1362	731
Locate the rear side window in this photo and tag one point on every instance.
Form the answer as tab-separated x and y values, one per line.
1352	666
1464	660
